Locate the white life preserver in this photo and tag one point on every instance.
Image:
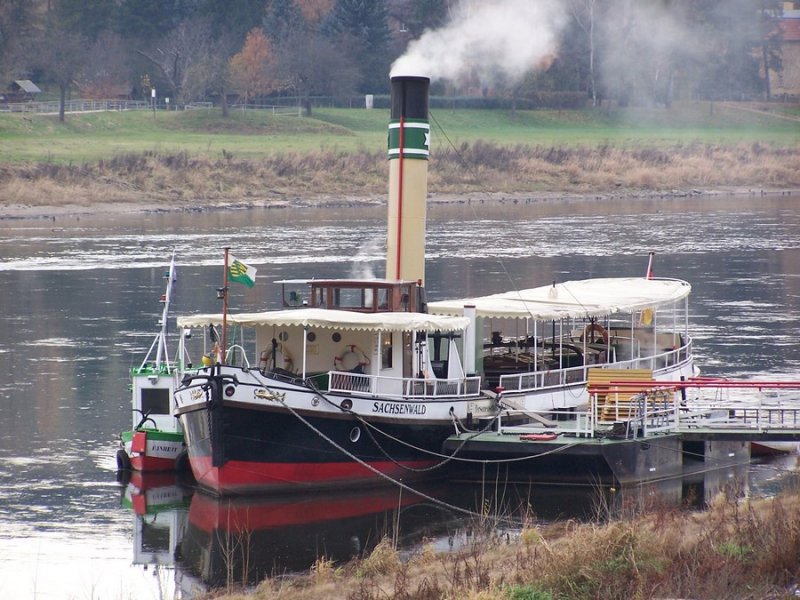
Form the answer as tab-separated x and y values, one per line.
283	360
351	359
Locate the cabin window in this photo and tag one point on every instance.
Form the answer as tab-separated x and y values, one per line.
383	299
386	350
155	401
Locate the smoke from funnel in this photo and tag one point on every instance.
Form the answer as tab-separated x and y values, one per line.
486	38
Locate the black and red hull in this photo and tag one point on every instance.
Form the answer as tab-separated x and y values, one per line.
241	449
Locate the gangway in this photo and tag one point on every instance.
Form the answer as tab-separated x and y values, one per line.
707	408
633	430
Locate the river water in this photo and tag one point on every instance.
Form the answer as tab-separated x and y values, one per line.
80	307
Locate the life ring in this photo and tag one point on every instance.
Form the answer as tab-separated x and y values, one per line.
594	327
539	437
265	360
351	359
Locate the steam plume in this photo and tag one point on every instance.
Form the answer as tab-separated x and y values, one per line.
488	38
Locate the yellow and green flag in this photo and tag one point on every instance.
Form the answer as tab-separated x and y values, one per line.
240	272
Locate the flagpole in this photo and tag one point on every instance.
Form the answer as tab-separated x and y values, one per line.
225	306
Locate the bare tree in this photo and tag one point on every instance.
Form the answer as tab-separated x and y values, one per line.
106	72
312	65
211	73
60	53
177	55
583	11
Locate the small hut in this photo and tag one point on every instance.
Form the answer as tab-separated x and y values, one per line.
21	90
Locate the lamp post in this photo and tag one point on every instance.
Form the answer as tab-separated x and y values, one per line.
153	100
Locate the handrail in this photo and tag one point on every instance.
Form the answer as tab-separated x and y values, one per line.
242	350
534	380
402	387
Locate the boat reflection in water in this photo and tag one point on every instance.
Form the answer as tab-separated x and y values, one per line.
233	541
160	505
209	542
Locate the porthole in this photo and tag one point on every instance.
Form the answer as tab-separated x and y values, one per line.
355	434
336	337
311	336
230	391
346	404
283	336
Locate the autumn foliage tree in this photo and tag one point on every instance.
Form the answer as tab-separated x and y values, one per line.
314	11
251	69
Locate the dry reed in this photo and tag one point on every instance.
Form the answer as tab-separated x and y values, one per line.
737	549
179	180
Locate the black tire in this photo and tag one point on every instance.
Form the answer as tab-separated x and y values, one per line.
123	461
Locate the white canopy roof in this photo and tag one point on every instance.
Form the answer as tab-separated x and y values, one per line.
585	298
333	319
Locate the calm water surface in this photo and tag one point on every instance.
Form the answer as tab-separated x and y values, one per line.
80	306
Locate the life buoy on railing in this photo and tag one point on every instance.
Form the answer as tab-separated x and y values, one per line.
594	327
351	359
283	360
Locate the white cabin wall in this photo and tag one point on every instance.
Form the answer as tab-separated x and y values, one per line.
322	351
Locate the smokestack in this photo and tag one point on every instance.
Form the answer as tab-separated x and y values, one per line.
409	142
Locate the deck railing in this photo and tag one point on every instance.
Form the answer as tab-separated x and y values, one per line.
534	380
402	387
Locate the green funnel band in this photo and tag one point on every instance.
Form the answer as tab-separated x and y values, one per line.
416	139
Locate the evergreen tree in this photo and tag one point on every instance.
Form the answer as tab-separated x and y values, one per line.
148	20
361	29
282	21
89	18
233	17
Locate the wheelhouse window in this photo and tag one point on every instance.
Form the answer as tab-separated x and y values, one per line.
361	295
352	298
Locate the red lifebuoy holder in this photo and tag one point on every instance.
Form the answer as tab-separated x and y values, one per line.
539	437
597	328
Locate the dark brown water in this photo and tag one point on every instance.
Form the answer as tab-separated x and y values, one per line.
80	306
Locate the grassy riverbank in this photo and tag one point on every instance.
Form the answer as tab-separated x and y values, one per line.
180	159
738	549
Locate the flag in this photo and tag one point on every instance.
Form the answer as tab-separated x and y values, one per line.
241	273
650	266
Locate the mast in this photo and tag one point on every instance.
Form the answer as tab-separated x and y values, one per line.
223	293
161	351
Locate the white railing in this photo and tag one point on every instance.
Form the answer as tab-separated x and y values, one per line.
534	380
759	417
660	410
291	111
402	387
52	107
582	424
75	106
645	416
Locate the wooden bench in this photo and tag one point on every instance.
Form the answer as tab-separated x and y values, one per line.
618	403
